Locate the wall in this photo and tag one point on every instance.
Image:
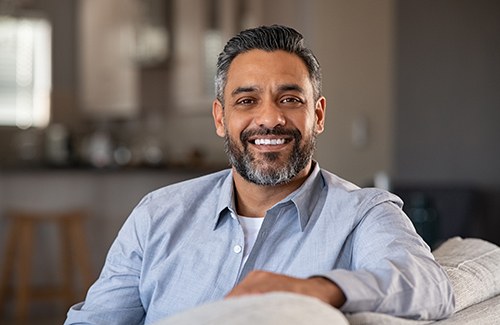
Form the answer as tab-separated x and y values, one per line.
354	41
448	99
448	106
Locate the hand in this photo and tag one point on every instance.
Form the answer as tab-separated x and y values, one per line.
258	282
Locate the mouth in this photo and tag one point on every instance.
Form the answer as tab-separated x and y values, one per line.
270	145
270	139
268	142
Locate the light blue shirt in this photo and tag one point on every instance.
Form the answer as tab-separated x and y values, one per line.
182	246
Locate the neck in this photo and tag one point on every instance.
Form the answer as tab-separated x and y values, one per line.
254	200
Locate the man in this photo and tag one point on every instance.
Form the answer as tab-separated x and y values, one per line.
275	221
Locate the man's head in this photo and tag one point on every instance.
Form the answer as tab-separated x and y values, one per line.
268	108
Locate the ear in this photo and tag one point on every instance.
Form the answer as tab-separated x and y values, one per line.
320	114
218	114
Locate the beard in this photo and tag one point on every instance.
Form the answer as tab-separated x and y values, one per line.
274	168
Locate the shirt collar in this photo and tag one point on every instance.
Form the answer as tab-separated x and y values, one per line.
307	195
304	198
226	198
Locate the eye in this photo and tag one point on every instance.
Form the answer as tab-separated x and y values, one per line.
245	101
291	100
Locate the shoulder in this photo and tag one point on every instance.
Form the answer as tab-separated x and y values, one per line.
350	206
167	207
175	199
192	189
350	195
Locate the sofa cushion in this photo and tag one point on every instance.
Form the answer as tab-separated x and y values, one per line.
473	266
486	312
265	309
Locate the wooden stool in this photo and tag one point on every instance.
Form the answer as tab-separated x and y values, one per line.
74	259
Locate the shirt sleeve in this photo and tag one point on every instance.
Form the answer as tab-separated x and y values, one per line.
114	298
392	269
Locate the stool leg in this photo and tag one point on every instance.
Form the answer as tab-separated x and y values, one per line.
24	271
9	261
81	253
67	285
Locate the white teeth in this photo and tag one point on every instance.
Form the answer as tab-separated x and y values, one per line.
268	142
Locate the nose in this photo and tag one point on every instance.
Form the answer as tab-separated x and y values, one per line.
270	116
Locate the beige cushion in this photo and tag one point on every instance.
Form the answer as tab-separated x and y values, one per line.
473	266
483	313
265	309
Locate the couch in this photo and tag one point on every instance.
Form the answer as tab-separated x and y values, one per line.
473	266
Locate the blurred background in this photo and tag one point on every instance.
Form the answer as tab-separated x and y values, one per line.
102	101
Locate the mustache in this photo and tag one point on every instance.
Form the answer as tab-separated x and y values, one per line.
295	133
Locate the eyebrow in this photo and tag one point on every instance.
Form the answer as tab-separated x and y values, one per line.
290	87
240	90
281	88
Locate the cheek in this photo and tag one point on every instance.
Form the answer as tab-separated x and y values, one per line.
235	125
305	123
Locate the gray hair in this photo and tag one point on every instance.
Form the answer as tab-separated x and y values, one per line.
267	38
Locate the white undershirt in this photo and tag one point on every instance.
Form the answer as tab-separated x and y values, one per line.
251	227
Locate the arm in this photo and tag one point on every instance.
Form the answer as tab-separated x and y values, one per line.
114	298
392	269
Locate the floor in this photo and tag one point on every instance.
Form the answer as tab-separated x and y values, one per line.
33	321
39	314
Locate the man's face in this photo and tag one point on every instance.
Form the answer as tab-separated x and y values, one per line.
270	119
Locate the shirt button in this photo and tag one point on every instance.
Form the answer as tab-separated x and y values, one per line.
237	249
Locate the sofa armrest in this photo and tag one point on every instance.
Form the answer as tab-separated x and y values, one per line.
473	266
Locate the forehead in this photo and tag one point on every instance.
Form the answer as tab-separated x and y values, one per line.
265	69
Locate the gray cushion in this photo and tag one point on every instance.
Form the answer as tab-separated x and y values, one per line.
473	266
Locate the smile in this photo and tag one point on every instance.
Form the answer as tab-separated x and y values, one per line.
269	142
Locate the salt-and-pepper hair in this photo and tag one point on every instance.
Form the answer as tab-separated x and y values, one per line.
267	38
